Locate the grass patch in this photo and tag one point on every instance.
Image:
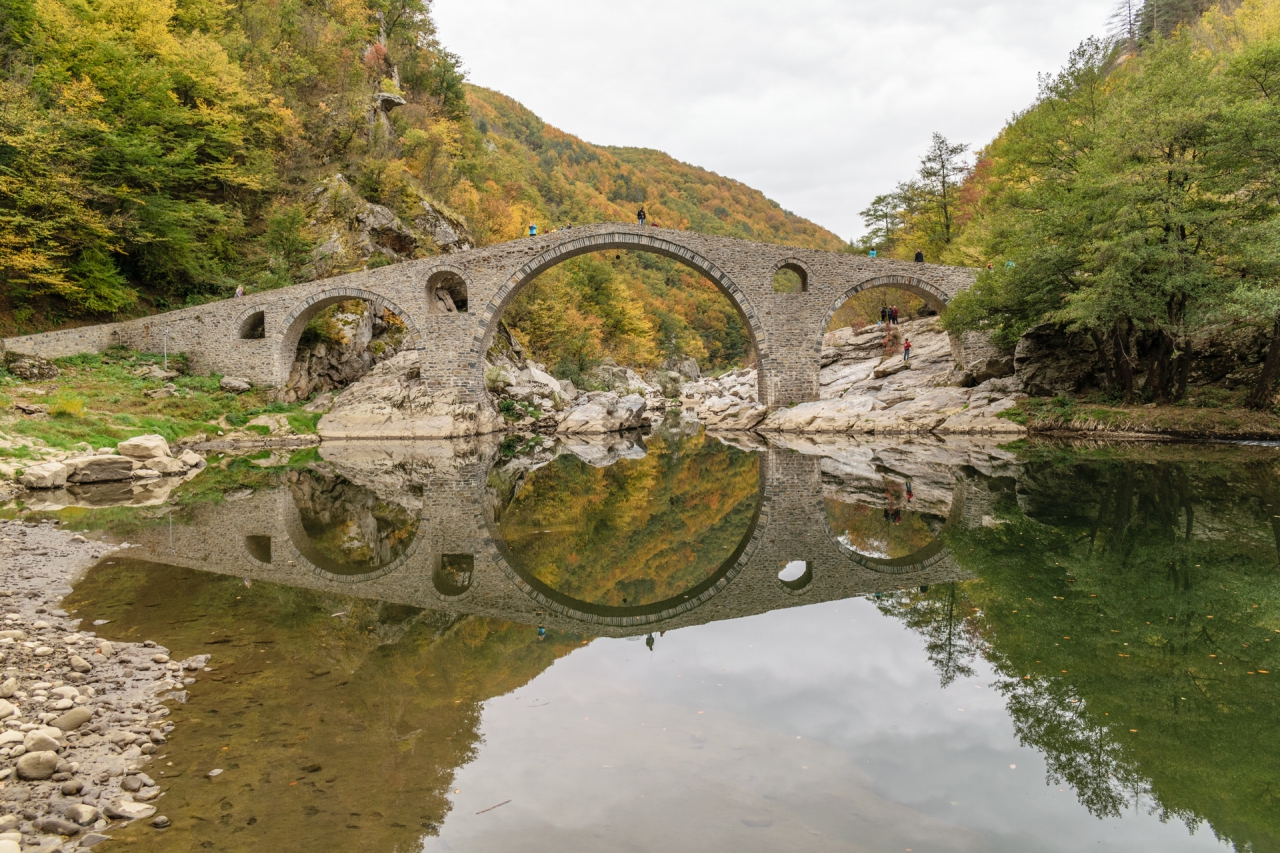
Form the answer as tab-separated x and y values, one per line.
98	399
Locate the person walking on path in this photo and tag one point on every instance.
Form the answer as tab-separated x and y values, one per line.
533	229
906	350
884	314
893	316
919	257
640	217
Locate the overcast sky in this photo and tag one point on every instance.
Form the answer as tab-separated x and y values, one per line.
821	104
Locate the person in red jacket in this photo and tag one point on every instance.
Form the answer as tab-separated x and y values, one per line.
906	350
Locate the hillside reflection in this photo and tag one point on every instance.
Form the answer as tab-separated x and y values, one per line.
638	532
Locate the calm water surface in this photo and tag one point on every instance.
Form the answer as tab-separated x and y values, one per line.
676	643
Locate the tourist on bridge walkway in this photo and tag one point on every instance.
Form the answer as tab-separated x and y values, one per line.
640	217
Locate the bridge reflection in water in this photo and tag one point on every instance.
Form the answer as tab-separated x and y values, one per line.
610	537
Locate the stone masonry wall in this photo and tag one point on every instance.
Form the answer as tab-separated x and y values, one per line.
787	327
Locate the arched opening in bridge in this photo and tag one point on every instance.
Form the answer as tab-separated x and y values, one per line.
446	293
334	340
254	327
865	349
614	319
790	278
796	575
605	531
345	529
452	577
889	512
259	547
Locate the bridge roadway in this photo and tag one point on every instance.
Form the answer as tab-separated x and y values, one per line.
261	537
256	337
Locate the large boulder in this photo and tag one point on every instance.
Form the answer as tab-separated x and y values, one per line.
602	412
393	401
100	469
30	368
1050	360
47	475
234	384
144	447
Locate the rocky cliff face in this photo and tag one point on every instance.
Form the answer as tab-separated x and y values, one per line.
357	233
1050	360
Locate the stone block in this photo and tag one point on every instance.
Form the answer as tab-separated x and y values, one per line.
47	475
144	447
100	469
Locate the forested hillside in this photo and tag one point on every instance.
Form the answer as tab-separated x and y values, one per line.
159	153
1137	201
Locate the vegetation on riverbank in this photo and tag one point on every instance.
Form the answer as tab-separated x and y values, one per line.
1135	201
102	399
1222	418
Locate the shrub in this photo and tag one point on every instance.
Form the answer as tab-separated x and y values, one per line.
66	406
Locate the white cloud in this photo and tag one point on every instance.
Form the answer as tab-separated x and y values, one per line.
821	104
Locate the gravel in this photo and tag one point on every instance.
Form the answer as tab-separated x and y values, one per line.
80	717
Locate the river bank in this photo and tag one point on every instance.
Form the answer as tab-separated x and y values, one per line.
85	728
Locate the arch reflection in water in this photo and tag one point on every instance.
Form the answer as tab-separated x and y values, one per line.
638	537
890	511
346	529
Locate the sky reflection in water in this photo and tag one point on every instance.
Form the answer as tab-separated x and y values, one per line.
928	718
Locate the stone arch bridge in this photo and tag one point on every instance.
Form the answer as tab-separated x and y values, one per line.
256	337
260	537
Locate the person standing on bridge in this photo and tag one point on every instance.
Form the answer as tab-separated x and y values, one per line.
533	229
919	257
640	216
239	291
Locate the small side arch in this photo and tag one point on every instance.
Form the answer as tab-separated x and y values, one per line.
253	325
797	269
448	289
933	295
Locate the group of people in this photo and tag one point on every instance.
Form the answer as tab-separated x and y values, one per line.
889	317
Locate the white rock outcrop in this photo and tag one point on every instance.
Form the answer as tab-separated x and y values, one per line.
604	411
392	401
144	447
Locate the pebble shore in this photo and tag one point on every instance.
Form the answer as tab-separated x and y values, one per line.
82	720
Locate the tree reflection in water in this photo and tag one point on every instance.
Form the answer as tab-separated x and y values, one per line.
1129	609
639	531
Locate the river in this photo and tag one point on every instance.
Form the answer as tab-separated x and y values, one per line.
683	642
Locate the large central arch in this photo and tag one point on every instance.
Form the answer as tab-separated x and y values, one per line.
611	241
